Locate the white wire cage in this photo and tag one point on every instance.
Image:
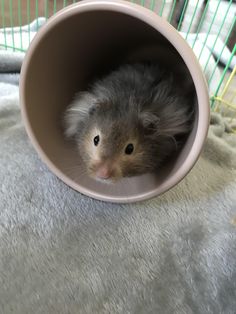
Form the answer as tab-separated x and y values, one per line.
209	27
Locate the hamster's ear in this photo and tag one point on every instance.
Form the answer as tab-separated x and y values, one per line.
150	122
78	111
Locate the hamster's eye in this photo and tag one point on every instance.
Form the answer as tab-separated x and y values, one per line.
129	149
96	140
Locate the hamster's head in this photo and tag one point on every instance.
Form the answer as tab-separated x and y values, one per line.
112	143
111	150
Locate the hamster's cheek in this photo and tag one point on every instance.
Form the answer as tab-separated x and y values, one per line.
133	165
118	174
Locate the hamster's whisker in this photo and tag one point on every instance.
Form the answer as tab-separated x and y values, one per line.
126	193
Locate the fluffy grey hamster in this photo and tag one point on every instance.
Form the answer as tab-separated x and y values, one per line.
129	122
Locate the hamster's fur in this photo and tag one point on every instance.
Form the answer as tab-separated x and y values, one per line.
130	121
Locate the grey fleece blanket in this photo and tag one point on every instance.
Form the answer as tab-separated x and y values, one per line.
64	253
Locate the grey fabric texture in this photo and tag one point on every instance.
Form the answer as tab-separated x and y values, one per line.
63	252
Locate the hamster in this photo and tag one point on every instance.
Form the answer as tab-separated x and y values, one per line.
129	122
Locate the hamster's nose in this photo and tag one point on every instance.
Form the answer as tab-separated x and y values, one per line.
103	172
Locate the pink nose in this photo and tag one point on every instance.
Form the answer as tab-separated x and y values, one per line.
103	172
